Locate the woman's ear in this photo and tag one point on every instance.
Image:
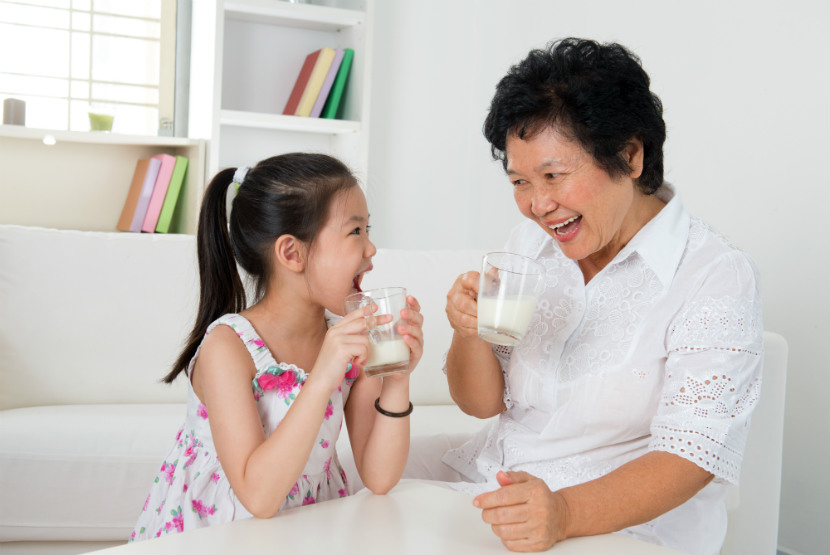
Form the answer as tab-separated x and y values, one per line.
290	252
633	155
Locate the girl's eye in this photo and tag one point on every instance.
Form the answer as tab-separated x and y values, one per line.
356	231
518	182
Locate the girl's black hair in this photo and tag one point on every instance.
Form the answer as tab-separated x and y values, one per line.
596	94
288	194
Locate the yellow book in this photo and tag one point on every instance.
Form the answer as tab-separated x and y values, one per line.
315	82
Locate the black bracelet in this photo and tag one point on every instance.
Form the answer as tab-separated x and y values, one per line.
407	412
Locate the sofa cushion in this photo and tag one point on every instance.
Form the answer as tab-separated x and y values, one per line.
82	472
92	317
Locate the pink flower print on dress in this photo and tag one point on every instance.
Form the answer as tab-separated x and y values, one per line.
352	371
295	491
177	523
146	502
200	509
329	410
168	470
342	493
191	453
287	382
309	499
324	443
214	477
258	343
201	411
327	469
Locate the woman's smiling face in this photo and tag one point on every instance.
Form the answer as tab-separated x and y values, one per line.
558	185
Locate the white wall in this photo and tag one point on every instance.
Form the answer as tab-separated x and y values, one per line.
746	90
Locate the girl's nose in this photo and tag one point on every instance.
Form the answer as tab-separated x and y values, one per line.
371	249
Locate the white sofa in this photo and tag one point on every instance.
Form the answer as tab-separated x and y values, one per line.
89	323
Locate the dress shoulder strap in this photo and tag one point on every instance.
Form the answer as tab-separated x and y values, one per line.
259	352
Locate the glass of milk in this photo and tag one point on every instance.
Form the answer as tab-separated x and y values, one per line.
388	353
508	290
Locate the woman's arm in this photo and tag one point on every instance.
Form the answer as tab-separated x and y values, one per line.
473	372
380	444
527	516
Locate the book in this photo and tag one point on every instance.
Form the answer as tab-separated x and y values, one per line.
300	84
151	218
172	197
127	212
333	103
315	82
146	193
327	83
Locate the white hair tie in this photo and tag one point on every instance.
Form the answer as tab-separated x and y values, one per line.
239	175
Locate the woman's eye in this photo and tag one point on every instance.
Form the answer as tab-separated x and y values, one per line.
518	182
355	231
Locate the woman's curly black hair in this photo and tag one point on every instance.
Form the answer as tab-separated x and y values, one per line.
596	94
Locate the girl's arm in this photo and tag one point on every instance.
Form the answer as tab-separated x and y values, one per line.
262	471
473	372
380	444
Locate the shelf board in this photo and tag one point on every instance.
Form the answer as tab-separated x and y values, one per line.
280	122
92	137
301	16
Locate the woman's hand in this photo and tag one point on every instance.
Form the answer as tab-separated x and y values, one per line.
524	513
462	307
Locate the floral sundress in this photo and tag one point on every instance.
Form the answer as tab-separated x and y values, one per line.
191	490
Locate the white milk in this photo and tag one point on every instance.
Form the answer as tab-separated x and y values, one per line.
504	321
386	353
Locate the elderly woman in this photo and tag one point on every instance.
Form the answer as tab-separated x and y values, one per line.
626	406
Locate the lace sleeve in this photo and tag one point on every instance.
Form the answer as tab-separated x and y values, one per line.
503	355
713	379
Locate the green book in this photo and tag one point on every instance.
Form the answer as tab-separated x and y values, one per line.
332	106
172	196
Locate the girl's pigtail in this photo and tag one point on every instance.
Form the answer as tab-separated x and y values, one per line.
221	289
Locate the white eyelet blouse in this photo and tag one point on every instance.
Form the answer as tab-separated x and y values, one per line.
660	351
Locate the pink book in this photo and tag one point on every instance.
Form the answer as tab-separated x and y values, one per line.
324	92
145	195
168	162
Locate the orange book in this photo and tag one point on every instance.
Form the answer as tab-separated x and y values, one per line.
300	84
133	194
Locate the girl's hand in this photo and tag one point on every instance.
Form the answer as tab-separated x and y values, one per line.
346	342
411	327
462	306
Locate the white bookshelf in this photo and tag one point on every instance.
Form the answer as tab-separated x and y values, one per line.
245	58
79	180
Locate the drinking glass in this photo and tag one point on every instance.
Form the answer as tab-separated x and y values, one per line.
508	291
388	353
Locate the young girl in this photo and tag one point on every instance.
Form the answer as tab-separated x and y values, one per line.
269	385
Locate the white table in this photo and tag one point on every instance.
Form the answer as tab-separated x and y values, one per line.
415	517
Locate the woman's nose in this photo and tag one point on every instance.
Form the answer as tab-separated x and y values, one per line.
542	202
